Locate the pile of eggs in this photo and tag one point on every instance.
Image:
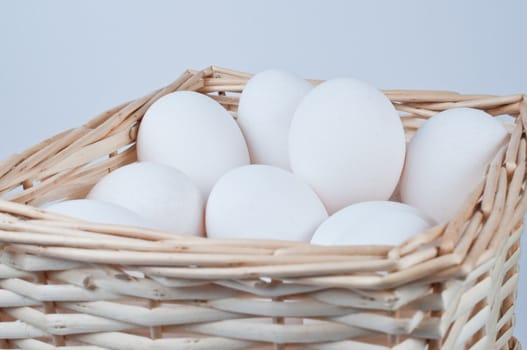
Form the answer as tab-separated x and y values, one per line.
300	162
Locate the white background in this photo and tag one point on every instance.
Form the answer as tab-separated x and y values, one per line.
62	62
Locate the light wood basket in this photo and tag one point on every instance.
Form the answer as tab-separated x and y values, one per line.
68	284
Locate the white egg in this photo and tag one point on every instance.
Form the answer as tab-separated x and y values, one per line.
261	201
372	223
193	133
266	107
347	141
446	160
99	212
158	193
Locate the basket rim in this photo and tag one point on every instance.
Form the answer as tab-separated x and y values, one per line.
25	229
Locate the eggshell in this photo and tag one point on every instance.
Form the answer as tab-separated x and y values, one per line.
372	223
265	202
446	160
347	141
193	133
158	193
98	212
266	107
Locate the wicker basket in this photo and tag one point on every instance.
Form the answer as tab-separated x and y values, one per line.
67	284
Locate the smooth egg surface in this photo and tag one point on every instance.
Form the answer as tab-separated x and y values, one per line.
446	160
267	105
372	223
99	212
264	202
347	141
193	133
156	192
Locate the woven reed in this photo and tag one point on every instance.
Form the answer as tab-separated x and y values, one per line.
74	285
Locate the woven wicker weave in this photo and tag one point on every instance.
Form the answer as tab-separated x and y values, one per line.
68	284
